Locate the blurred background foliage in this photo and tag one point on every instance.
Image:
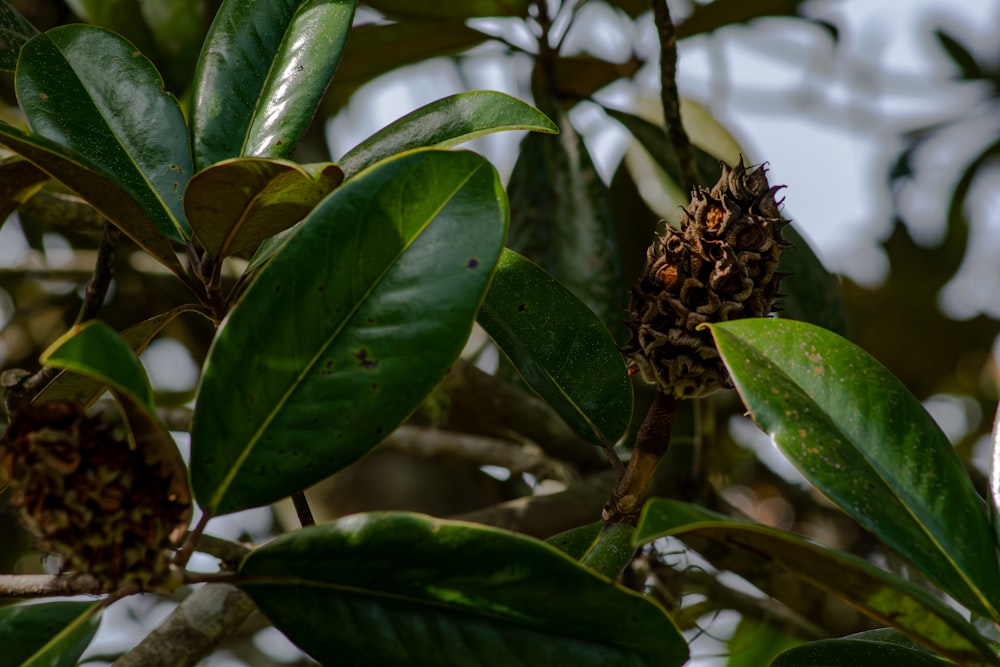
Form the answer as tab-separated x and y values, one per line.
892	169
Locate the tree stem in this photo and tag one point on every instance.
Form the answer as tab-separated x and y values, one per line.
671	98
651	443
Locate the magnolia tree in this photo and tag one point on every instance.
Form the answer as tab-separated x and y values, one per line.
338	296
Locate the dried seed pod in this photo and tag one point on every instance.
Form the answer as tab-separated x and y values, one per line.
720	265
89	497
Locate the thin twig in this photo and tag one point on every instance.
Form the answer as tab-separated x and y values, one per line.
48	585
97	288
303	510
670	97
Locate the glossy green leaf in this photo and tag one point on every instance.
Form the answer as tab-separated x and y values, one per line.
445	123
561	218
263	70
235	204
654	139
169	32
101	190
884	596
604	548
874	648
375	49
560	348
84	389
612	551
53	634
861	438
402	589
812	294
994	475
355	319
96	350
576	541
454	11
89	90
19	181
15	30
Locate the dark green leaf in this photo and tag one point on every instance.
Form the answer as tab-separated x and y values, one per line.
994	473
576	541
375	49
19	181
84	389
561	218
654	139
73	83
101	190
860	437
875	648
235	204
560	348
959	55
53	634
263	70
714	15
633	8
355	319
612	551
454	11
96	350
812	294
884	596
445	123
635	224
579	77
14	32
403	589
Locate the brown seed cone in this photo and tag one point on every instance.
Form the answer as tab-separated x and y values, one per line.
88	495
720	265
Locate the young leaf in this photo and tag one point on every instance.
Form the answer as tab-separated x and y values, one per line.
860	437
560	348
445	123
235	204
454	11
263	70
96	350
402	589
756	641
15	30
89	90
53	634
84	389
884	596
561	218
377	48
351	323
104	191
